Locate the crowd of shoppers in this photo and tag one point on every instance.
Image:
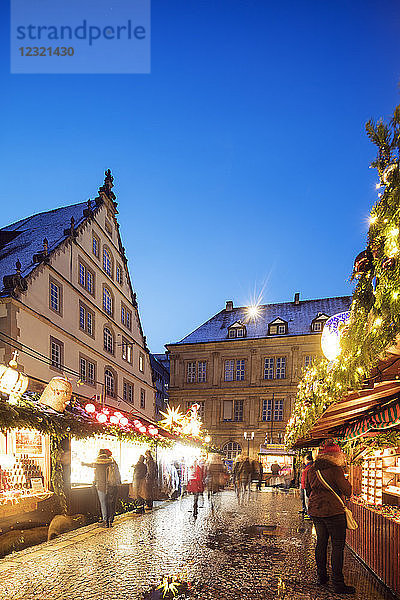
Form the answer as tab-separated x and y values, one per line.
323	486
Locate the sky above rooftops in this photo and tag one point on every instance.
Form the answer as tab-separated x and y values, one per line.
240	162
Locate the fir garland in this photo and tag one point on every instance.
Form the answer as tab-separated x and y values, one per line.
60	426
374	323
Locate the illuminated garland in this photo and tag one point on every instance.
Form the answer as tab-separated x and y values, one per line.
375	311
26	414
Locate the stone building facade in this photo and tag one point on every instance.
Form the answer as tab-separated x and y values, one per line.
243	367
67	304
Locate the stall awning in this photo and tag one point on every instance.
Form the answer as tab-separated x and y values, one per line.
385	418
357	414
355	406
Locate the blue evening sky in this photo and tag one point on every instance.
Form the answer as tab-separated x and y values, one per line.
240	162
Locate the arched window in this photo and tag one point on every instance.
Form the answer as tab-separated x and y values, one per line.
107	261
107	301
232	450
109	383
108	340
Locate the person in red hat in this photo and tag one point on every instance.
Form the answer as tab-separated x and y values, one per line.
328	513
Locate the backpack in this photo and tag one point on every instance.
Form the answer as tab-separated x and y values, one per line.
113	477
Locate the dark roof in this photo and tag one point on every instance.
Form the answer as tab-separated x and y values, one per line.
21	240
298	316
160	361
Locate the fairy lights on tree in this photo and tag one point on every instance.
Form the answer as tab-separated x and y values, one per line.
374	322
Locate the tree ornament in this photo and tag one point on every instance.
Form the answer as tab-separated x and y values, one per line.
363	263
388	263
389	172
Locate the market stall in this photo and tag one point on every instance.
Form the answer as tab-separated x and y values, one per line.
276	453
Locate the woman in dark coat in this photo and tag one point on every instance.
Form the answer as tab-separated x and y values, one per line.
328	513
139	475
150	481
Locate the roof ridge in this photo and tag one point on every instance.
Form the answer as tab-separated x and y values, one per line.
45	212
291	302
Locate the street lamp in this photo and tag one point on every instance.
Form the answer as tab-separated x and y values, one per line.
248	436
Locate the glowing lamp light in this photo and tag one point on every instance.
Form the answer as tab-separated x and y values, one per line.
101	417
124	421
142	429
137	423
207	439
153	430
90	408
11	381
114	420
332	333
253	311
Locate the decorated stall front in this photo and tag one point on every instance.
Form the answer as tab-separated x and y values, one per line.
45	438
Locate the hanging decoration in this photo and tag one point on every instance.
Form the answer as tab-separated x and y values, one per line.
57	394
188	424
333	331
12	382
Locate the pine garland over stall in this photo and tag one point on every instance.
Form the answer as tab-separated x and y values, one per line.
374	322
27	414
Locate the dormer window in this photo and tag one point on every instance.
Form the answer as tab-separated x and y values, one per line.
318	323
237	330
278	327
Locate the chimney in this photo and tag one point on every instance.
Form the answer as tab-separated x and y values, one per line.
229	306
297	298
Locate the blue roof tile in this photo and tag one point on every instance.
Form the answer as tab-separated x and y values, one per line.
298	316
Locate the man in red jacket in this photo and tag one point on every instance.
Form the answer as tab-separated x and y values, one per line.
328	514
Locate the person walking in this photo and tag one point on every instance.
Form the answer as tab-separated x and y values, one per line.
150	481
260	473
107	480
137	485
328	513
308	461
195	484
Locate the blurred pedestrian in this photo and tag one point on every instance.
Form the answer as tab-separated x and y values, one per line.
216	474
136	489
275	478
327	512
308	461
195	484
150	480
260	473
107	480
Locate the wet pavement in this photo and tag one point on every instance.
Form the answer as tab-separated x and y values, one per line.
260	550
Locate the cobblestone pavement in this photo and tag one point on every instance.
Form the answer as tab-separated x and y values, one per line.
261	550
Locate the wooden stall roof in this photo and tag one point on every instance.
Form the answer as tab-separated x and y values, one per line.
354	406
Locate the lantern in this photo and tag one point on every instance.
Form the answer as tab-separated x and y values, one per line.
90	408
331	334
12	382
57	394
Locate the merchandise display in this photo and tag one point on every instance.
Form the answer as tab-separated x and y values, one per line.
380	476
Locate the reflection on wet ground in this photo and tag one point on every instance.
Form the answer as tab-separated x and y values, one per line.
262	549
